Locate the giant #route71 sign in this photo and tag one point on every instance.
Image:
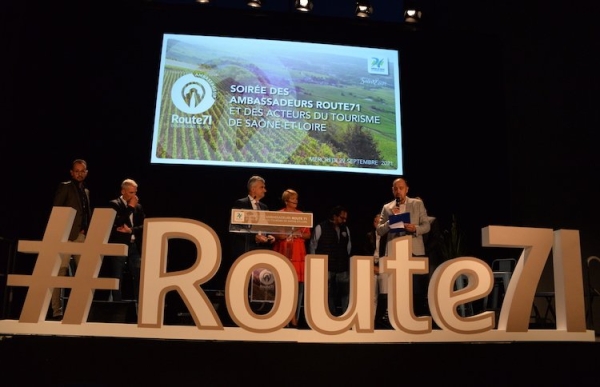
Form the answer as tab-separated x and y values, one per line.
355	325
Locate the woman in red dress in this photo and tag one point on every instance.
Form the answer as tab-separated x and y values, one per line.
293	246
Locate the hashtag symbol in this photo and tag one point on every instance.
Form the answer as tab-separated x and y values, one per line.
54	245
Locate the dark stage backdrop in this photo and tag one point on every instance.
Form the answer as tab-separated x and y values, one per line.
83	85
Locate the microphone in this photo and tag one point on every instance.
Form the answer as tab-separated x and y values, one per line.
397	202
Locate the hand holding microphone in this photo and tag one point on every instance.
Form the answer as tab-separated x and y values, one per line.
396	209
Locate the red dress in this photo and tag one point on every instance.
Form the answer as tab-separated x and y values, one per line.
295	249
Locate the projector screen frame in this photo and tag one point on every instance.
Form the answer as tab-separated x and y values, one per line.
262	90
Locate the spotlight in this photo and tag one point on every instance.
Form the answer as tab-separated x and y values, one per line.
412	14
304	5
363	8
254	3
202	1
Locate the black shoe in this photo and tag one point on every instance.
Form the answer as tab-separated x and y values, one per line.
57	315
383	323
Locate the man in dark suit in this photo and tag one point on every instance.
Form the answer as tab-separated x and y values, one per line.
245	241
127	229
74	194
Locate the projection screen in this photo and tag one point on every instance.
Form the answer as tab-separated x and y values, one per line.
242	102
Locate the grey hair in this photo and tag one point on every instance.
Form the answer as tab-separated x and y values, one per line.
128	182
253	180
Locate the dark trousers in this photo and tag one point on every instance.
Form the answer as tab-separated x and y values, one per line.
116	267
338	291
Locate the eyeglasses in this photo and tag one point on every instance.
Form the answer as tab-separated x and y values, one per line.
81	172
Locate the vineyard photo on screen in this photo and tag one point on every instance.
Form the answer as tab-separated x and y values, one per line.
264	103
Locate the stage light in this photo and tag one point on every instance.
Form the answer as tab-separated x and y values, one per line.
363	8
304	5
202	1
412	13
255	3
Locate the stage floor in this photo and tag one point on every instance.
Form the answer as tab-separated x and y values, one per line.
102	361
